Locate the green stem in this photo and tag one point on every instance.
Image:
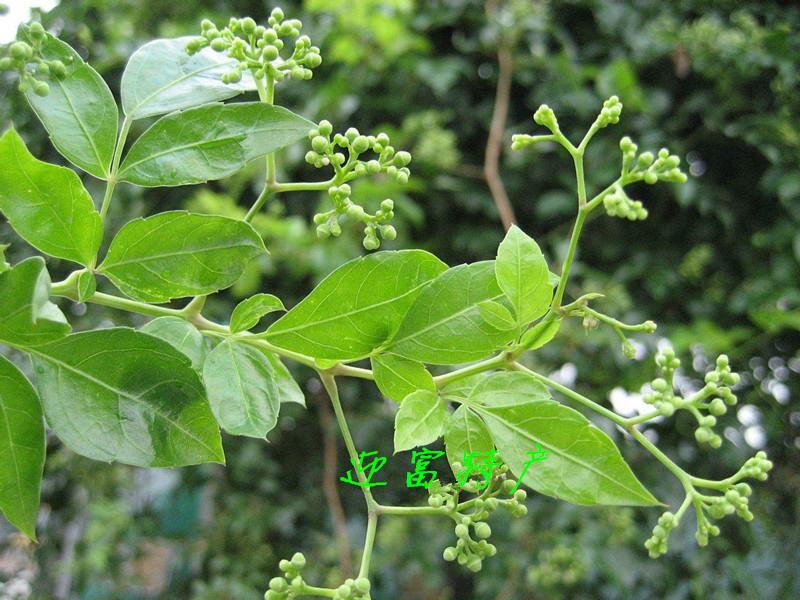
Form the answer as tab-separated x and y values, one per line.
267	96
303	186
411	510
329	381
112	174
565	271
577	397
262	198
369	542
480	367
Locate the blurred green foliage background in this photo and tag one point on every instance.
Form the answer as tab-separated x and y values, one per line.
717	264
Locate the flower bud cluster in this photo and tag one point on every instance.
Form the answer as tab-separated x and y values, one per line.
24	57
353	589
618	204
657	543
648	167
258	47
328	149
472	532
545	117
291	584
712	399
609	114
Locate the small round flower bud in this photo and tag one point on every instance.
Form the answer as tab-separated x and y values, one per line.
388	232
277	14
248	25
270	52
325	128
20	50
319	144
360	144
40	88
403	158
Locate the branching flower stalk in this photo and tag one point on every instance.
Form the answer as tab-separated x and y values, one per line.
343	321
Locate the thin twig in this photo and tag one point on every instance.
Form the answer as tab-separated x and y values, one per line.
494	143
331	490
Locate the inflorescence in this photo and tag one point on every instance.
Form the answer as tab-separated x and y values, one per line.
25	58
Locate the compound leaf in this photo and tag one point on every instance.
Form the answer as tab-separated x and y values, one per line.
523	275
47	205
583	465
161	77
22	449
209	142
358	307
79	113
178	254
444	325
242	389
123	395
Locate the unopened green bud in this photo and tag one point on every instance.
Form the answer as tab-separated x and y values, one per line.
7	64
325	128
270	52
388	232
360	144
483	531
403	158
248	25
20	50
40	88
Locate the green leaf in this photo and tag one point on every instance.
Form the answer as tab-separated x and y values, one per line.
209	142
47	205
397	377
22	449
583	465
79	113
507	388
241	389
356	308
248	312
523	275
181	335
178	254
540	334
497	315
86	286
4	266
289	391
465	433
419	421
161	77
444	325
122	395
27	317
